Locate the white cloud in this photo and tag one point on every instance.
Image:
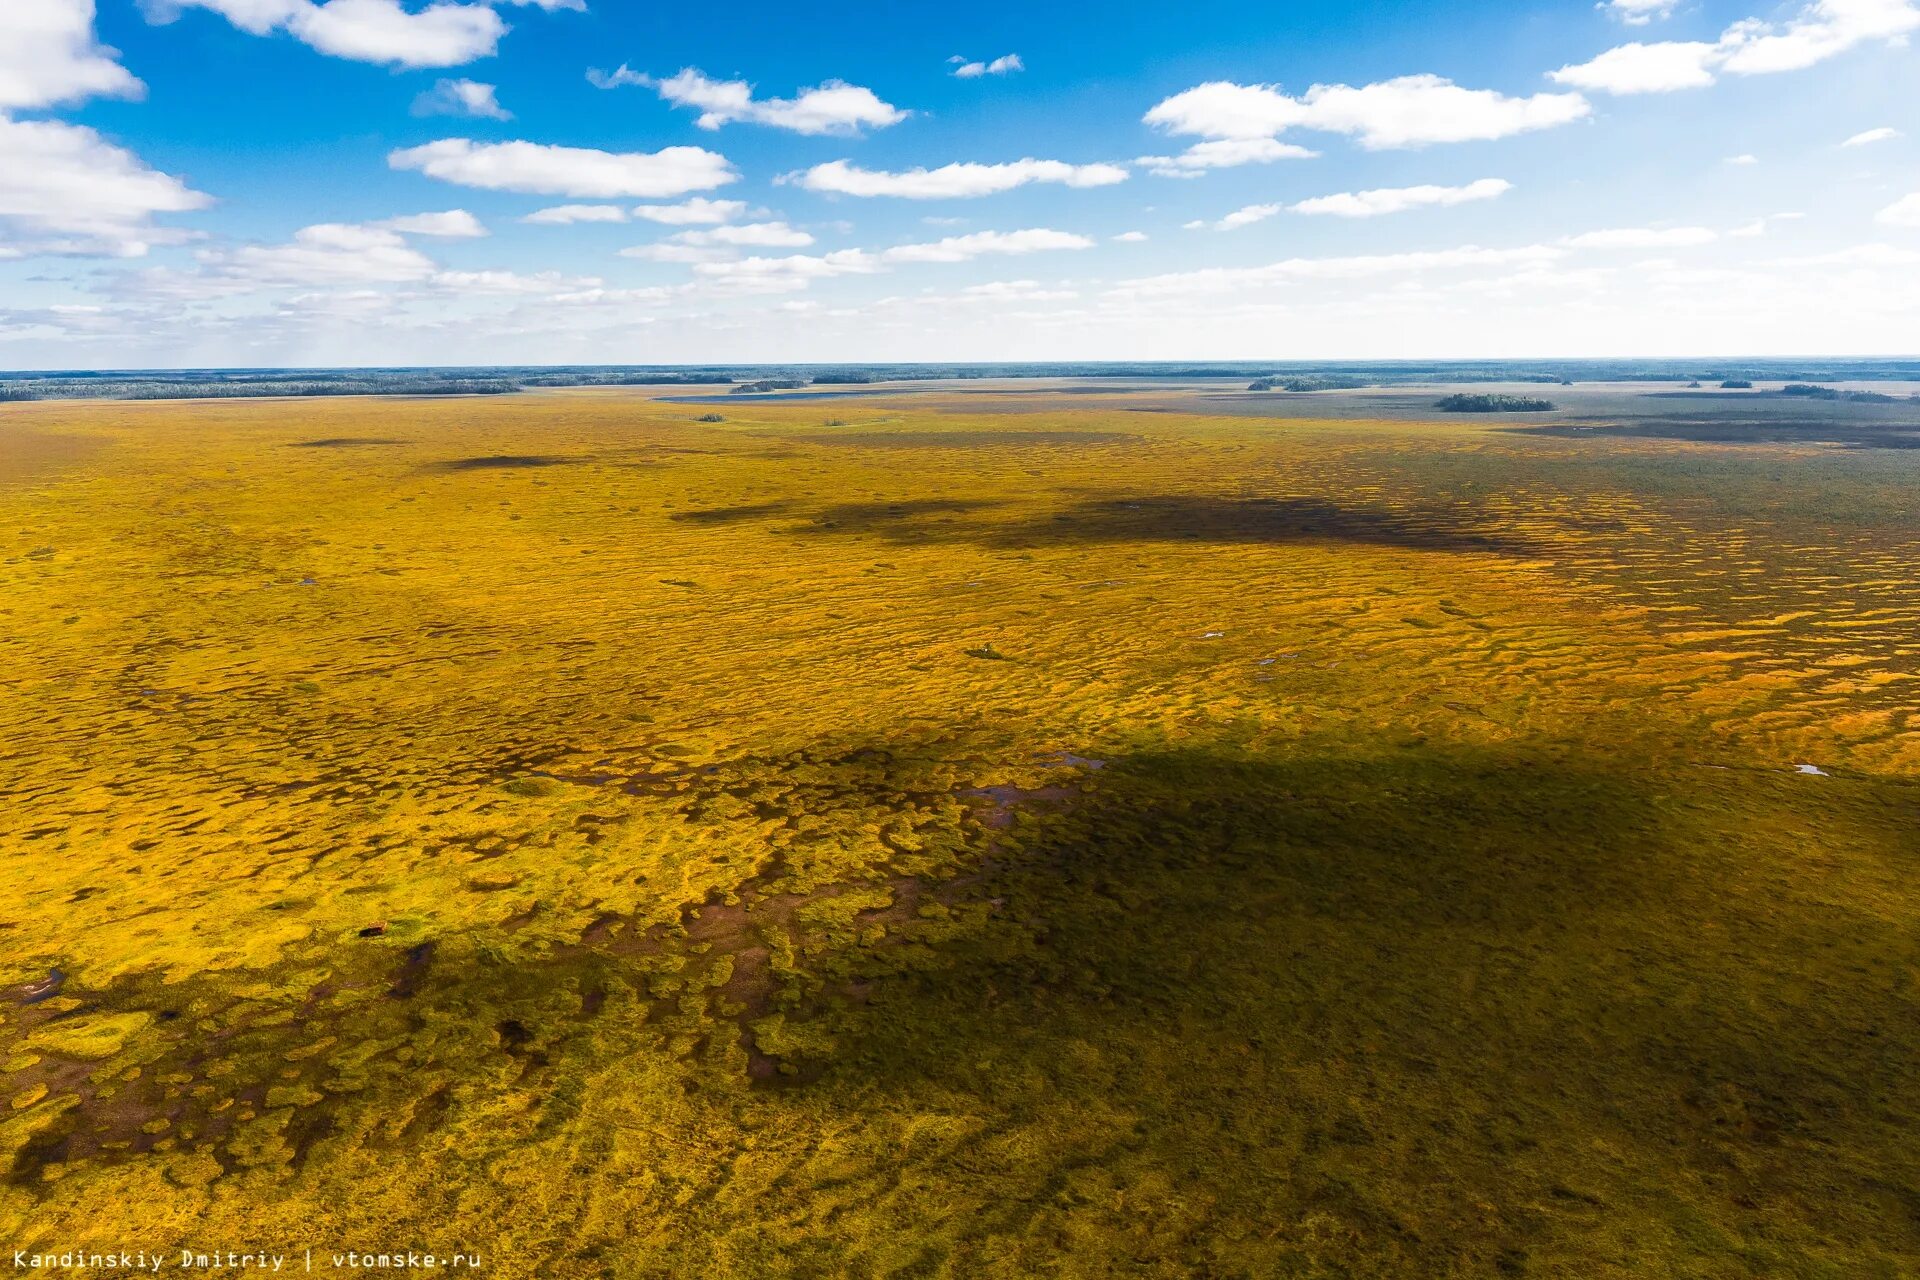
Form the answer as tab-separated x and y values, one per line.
539	169
1860	255
1214	280
796	271
1743	159
953	181
1244	217
461	98
717	244
1364	204
652	295
1372	204
1003	65
699	209
1904	212
780	275
1822	30
671	251
762	235
1761	226
454	224
1009	291
443	34
1871	136
330	253
567	214
979	243
1643	238
1223	153
1638	13
832	107
1409	111
49	56
1130	237
339	255
511	282
65	189
1645	68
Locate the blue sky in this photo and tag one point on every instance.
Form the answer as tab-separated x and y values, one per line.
268	182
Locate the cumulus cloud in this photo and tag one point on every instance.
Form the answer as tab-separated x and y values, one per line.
567	214
66	189
1904	212
1364	204
1643	238
1130	237
779	275
454	224
461	98
1871	136
1821	30
1223	153
540	169
345	256
330	253
1005	64
953	181
1011	291
698	209
1645	68
444	34
1409	111
672	251
510	282
961	248
1243	217
1214	280
49	56
832	107
766	235
796	271
1638	13
1383	200
721	243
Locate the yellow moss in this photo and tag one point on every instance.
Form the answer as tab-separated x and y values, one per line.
1064	842
91	1036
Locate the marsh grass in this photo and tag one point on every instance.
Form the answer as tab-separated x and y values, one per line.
1384	855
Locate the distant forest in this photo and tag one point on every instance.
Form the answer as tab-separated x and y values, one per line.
1802	378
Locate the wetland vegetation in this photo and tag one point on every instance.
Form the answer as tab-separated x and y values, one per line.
1050	841
1464	403
763	379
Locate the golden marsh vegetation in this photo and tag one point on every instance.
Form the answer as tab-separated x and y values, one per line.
1074	841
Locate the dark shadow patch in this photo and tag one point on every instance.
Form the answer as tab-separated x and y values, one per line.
1405	1009
1204	518
1492	962
857	517
345	442
505	462
732	515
